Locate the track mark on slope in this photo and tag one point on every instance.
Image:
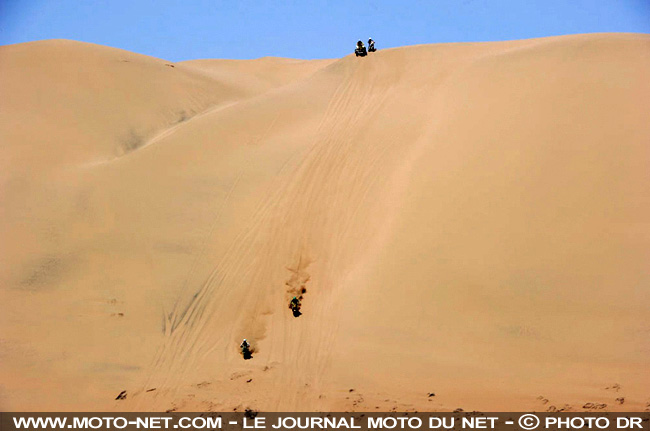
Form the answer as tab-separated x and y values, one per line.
299	278
317	191
297	283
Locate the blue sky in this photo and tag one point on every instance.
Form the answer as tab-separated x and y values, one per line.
189	29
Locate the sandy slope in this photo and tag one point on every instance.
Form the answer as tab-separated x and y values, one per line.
262	74
468	219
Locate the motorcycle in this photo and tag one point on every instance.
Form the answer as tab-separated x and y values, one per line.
295	309
246	352
361	52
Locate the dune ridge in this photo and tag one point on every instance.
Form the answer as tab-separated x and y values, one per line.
468	220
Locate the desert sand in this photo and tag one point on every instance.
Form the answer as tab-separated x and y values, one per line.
471	224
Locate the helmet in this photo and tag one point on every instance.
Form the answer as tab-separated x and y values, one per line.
244	339
295	297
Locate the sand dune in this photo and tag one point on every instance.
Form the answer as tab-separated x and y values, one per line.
469	220
261	75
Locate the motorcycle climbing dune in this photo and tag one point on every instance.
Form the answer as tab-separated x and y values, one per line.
281	235
78	240
320	214
336	205
466	223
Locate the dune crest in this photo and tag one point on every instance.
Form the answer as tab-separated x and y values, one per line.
464	220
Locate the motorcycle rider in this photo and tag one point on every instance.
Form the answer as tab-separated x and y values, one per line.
245	345
371	45
360	49
295	303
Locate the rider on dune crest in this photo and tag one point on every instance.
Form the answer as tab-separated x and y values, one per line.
360	50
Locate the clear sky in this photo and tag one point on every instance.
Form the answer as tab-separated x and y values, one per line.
189	29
